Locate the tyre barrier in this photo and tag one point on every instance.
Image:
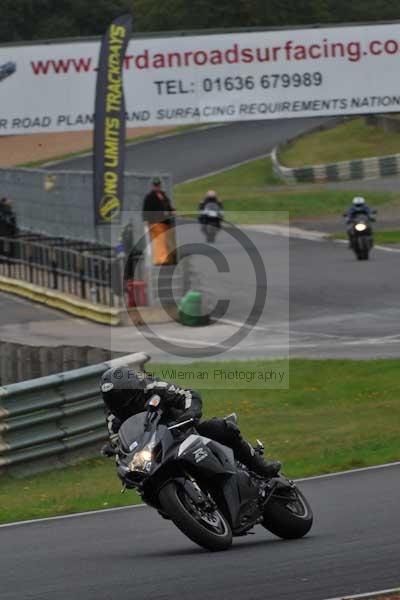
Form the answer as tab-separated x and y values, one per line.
365	168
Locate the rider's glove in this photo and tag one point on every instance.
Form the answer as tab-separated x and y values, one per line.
108	450
111	447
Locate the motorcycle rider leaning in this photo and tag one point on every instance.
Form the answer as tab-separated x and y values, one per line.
126	391
358	207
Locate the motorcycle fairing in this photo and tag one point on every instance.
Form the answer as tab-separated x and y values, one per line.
210	460
208	457
235	486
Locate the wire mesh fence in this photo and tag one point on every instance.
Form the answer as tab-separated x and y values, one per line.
60	203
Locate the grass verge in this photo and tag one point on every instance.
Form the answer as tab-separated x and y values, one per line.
352	140
244	191
380	237
336	415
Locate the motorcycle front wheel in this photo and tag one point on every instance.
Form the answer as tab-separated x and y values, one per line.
206	527
288	515
363	248
211	232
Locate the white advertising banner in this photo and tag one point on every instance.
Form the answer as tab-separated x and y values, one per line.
206	78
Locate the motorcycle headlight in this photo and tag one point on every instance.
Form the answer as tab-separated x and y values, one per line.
360	227
141	461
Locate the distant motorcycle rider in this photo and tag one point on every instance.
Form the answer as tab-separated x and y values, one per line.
210	199
126	391
358	207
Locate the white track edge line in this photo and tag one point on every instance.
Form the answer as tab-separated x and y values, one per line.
72	515
350	471
106	510
367	595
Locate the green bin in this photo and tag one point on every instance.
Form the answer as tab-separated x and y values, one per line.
190	310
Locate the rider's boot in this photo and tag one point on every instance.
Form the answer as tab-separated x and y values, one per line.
255	462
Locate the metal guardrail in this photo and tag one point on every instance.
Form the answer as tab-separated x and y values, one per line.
83	272
52	416
95	274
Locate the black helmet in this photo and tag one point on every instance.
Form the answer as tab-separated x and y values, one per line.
122	386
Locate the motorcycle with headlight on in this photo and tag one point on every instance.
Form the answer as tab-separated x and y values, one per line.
361	236
197	483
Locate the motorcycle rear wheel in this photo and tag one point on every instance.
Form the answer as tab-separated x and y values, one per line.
288	519
209	530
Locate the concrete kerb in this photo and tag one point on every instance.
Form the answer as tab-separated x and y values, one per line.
54	299
97	313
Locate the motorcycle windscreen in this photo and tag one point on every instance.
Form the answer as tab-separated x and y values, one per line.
361	217
132	430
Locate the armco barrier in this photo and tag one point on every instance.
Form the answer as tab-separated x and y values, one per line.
45	421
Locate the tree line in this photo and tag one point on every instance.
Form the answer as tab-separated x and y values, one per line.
45	19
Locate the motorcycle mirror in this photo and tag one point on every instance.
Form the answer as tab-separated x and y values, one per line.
260	444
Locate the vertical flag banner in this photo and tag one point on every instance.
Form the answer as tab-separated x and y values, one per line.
109	124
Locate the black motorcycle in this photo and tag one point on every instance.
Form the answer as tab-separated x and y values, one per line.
361	235
210	219
196	482
362	240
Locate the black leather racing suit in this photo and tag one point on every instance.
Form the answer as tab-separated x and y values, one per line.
124	398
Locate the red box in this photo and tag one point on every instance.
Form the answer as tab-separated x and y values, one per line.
136	293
